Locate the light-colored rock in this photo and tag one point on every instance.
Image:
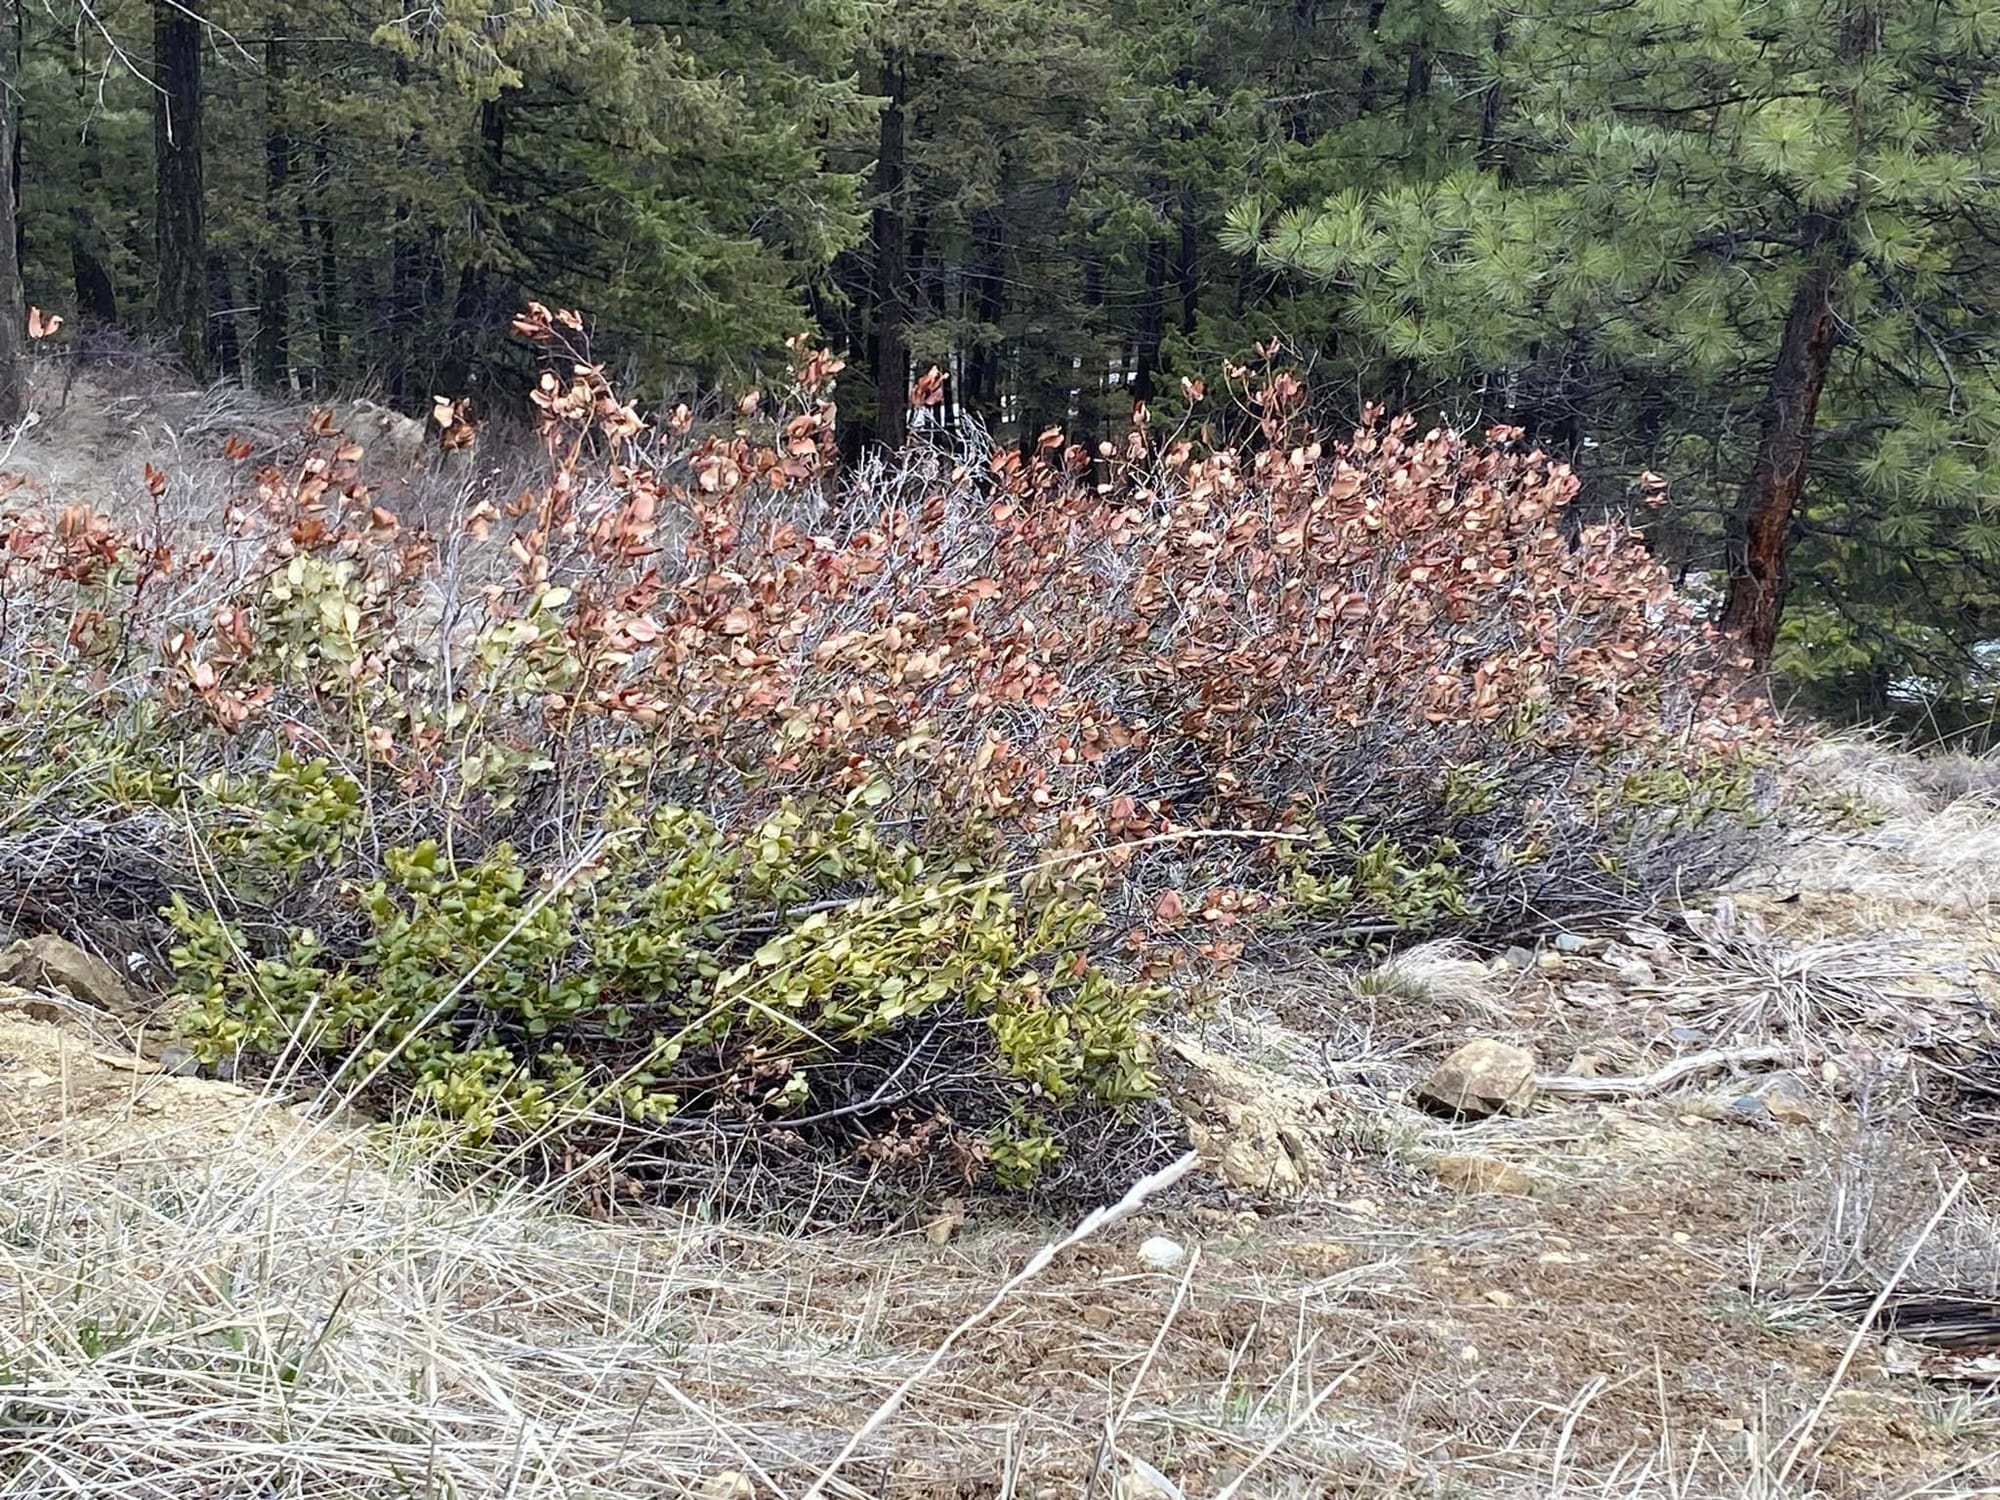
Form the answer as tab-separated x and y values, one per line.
1787	1101
1482	1174
1251	1126
728	1485
50	963
1161	1253
1482	1078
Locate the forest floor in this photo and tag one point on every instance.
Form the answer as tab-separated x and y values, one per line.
210	1294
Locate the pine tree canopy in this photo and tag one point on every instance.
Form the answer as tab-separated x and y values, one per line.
1754	251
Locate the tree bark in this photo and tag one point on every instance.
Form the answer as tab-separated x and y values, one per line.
981	396
890	344
318	225
223	350
180	230
1152	321
13	307
274	292
1760	525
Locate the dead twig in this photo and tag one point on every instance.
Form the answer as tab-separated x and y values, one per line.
1564	1086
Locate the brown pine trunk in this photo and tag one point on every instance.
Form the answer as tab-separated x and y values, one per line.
1759	531
891	343
274	292
180	229
13	308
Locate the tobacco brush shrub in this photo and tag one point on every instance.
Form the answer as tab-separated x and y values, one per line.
742	819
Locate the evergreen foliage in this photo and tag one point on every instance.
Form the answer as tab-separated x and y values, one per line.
1752	252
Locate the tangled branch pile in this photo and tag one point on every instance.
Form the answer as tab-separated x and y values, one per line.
701	800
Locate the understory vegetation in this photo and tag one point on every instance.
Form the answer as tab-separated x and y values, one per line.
710	809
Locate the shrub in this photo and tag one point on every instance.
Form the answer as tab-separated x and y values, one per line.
706	804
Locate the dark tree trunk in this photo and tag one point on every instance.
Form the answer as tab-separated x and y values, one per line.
95	292
473	310
1187	266
982	370
890	345
180	303
1371	75
13	306
224	350
1760	525
1152	321
326	281
274	292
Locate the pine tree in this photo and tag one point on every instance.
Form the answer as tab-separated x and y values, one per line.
1757	244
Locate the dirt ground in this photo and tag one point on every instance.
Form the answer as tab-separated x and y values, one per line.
1606	1295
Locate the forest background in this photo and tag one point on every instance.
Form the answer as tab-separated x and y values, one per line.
1737	265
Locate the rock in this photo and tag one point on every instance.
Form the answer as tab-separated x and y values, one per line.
728	1485
1637	973
1252	1127
1498	1298
1161	1253
1747	1109
950	1215
1518	958
1576	942
1785	1098
1144	1482
50	963
1482	1174
1481	1078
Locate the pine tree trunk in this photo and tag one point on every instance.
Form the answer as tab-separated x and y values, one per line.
1759	532
326	281
13	308
891	342
1152	321
982	366
224	352
274	291
181	300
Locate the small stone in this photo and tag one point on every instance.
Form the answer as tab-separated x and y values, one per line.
1099	1315
50	963
1748	1109
1785	1098
1142	1481
1482	1174
179	1060
1482	1078
1548	961
1637	973
1570	942
1320	1257
940	1229
1161	1253
1498	1298
1518	958
728	1485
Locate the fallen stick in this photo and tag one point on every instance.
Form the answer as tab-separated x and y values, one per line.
1097	1219
1564	1086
